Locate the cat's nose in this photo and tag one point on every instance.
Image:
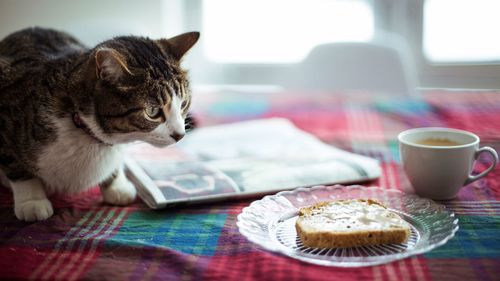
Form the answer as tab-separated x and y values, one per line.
176	136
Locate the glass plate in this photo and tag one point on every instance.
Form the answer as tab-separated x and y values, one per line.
270	223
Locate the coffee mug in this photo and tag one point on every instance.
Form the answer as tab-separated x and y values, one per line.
439	161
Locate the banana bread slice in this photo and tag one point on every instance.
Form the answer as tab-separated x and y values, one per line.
350	223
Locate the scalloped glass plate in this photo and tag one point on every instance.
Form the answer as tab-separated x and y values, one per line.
270	223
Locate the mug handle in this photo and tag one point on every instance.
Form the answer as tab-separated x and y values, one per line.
494	156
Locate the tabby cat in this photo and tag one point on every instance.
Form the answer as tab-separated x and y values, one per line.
66	112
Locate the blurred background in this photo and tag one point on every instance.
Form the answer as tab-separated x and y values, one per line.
382	45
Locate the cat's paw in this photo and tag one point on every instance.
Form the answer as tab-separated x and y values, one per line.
34	210
121	192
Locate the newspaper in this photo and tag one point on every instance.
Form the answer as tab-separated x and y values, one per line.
239	160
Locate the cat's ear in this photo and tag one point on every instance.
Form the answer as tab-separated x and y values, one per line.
180	44
110	65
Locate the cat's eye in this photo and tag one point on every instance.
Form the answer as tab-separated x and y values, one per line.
153	112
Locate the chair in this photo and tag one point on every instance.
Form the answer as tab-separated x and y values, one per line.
383	66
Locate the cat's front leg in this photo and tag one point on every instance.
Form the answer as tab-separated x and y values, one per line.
30	200
117	189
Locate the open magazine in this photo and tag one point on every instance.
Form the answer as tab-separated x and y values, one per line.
241	160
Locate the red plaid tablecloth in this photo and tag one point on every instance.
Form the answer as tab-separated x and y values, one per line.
86	239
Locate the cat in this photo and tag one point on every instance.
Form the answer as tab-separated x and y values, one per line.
67	112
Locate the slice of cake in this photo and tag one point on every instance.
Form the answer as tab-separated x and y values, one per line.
350	223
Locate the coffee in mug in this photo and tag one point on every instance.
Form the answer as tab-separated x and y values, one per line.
438	142
439	161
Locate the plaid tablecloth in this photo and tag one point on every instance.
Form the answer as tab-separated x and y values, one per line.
86	239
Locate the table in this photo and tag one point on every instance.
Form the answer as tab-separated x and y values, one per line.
86	239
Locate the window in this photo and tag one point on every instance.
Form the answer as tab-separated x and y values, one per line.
280	31
461	30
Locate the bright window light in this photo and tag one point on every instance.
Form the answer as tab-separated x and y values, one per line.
280	31
462	30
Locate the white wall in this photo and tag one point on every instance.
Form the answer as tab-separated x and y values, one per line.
93	21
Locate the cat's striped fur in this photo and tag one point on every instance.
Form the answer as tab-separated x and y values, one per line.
66	111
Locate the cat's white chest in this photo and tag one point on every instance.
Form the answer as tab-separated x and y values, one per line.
75	161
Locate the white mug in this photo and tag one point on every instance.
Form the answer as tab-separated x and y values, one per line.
439	171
